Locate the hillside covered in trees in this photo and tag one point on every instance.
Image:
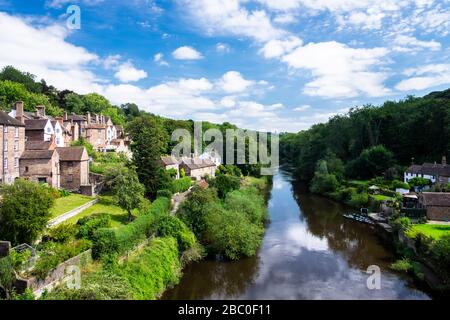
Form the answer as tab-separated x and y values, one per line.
373	140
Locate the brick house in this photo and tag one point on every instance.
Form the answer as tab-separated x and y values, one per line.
197	168
41	166
437	205
74	167
169	162
12	142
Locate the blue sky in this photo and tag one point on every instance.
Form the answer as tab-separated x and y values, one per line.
263	64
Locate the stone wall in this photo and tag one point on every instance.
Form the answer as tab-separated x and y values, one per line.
74	174
33	169
438	213
15	141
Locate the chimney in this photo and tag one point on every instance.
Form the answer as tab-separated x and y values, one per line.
40	111
19	111
96	118
444	160
88	118
60	120
66	117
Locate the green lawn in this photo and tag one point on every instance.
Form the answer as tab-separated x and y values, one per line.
380	197
435	231
65	204
105	205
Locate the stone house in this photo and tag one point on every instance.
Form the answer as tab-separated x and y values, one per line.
41	166
197	168
437	205
74	167
437	173
169	162
12	142
39	130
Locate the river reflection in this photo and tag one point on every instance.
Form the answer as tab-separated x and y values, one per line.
309	252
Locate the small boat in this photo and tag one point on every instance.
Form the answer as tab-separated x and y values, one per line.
358	218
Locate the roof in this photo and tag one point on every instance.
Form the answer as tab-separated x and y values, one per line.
36	124
436	199
37	154
38	145
96	126
72	154
76	117
433	169
9	121
168	160
196	163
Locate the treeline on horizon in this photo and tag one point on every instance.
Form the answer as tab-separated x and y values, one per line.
373	140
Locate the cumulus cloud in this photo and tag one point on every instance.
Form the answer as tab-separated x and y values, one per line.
340	71
128	73
187	53
425	77
233	82
277	48
405	43
159	59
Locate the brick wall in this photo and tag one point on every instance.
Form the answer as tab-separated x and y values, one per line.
14	141
438	213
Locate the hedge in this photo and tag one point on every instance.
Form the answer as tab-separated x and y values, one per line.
169	226
181	185
119	241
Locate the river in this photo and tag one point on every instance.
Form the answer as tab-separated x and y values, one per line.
309	251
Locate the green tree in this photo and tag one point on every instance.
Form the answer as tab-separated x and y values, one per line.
27	79
225	183
149	143
323	183
95	103
128	191
24	211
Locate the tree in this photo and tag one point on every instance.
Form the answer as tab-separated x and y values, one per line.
371	162
324	183
27	79
24	211
95	103
149	143
225	183
125	185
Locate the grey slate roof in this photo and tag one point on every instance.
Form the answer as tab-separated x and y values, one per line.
6	120
430	169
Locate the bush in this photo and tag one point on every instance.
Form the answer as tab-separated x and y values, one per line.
403	265
225	184
181	185
358	200
248	201
324	183
196	253
55	253
154	269
64	193
419	182
169	226
104	243
63	232
88	225
164	193
401	224
396	184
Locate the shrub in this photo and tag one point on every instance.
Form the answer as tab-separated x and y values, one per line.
196	253
104	243
396	184
55	253
164	193
64	193
324	183
403	265
169	226
250	202
358	200
181	185
154	269
225	184
63	232
419	182
88	225
401	224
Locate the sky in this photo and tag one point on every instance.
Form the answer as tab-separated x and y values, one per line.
275	65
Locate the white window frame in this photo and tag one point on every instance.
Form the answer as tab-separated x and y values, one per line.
5	163
16	162
16	132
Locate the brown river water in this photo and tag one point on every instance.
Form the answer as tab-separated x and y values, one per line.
309	251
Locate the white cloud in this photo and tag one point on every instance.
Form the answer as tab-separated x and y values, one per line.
128	73
229	17
45	52
187	53
159	59
57	4
302	108
404	43
111	61
233	82
277	48
425	77
338	70
222	47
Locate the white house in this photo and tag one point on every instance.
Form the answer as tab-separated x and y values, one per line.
435	172
59	134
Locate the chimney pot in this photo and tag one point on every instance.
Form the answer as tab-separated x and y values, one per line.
40	111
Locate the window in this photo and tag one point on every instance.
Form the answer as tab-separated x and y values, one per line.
57	130
99	132
57	140
5	129
5	163
49	130
42	180
26	169
16	162
16	132
5	147
16	145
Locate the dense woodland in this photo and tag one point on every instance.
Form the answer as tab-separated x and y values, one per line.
416	128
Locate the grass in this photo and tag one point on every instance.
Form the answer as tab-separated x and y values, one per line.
380	197
106	205
435	231
66	204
